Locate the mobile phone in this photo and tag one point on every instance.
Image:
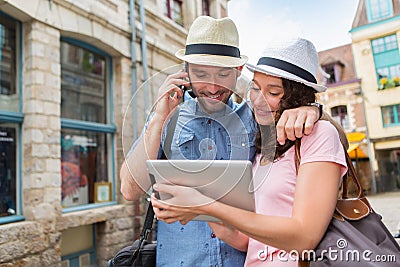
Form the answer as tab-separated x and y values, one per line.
153	181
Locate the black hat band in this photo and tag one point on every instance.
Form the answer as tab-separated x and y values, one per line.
288	67
213	49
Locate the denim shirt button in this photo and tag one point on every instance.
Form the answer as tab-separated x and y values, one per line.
213	235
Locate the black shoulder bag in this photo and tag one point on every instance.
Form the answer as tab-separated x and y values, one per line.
142	253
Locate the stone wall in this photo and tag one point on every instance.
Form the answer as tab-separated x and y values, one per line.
34	244
36	239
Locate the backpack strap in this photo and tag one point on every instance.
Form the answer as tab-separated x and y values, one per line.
170	134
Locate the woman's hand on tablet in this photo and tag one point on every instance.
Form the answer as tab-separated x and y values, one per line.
183	206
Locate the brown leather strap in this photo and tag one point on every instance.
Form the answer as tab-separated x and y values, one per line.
304	263
344	186
353	174
297	144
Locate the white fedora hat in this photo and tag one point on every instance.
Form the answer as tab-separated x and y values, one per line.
212	42
293	59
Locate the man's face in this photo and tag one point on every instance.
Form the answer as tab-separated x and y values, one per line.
212	85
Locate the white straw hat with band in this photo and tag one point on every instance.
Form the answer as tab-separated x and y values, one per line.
293	59
212	42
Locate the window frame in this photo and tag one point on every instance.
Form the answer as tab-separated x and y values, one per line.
73	258
386	56
335	71
106	128
376	15
16	118
345	121
168	10
396	115
384	44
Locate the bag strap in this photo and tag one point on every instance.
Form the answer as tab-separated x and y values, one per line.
297	144
352	172
147	226
148	222
170	134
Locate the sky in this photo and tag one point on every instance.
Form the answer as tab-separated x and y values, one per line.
326	23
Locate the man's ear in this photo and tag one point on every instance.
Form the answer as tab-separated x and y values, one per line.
240	68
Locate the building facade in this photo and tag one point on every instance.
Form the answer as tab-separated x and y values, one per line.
375	38
344	102
75	90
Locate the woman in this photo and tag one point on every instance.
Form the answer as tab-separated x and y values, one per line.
293	207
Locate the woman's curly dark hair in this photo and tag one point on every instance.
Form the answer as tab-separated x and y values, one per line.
295	95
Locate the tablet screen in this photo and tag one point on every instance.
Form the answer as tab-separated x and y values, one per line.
228	181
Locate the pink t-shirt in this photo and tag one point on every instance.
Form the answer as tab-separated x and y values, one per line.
275	186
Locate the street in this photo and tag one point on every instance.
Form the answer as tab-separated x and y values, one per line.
388	205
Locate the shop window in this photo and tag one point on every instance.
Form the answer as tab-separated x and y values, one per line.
11	119
8	159
87	131
83	82
173	10
391	115
379	9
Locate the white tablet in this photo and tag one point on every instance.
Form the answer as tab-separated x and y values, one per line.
228	181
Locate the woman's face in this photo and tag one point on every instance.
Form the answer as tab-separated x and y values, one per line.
265	94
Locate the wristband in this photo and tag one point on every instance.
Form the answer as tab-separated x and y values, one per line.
319	106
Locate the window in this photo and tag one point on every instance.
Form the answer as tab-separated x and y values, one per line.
389	71
78	246
8	169
9	96
11	118
334	71
387	61
205	4
391	115
83	83
379	9
87	130
339	114
384	44
173	10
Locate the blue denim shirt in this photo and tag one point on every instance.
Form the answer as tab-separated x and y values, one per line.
227	134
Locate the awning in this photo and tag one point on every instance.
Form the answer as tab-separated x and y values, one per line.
356	152
355	137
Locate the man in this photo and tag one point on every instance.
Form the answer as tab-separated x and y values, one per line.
210	126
